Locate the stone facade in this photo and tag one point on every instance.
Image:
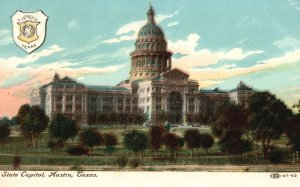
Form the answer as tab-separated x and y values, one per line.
153	87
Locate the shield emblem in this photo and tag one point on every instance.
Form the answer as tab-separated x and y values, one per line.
29	29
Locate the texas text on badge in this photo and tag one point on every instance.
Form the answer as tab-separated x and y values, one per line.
29	29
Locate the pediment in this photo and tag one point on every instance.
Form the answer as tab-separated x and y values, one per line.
176	72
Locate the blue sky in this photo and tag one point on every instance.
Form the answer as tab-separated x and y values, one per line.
218	42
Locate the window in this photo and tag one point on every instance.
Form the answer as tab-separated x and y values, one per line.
69	107
58	107
158	108
69	98
158	99
135	101
58	98
120	108
78	98
78	107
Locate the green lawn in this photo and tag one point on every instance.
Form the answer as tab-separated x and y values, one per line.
42	155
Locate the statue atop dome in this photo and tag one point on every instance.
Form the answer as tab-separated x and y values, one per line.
151	15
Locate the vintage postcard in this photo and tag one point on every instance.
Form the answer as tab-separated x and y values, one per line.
177	90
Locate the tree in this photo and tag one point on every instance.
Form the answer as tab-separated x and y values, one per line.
171	141
230	125
157	133
206	141
62	127
161	117
267	118
275	156
136	141
208	109
292	131
5	121
91	138
232	143
297	106
192	138
13	121
32	121
110	140
4	133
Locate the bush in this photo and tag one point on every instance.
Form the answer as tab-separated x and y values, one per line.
51	145
135	162
76	167
78	150
55	144
121	161
275	157
109	149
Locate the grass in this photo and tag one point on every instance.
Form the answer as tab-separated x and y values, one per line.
43	156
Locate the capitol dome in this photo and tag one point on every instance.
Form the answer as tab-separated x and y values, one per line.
150	29
150	57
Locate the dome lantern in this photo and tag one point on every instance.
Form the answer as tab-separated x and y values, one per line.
151	15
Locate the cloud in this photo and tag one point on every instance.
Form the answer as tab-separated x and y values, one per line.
246	21
295	4
184	46
25	77
224	73
295	78
73	24
130	30
172	24
14	80
290	89
5	37
287	42
196	62
10	64
16	83
193	58
207	83
296	95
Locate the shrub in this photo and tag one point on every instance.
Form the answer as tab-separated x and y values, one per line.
121	161
275	157
4	133
109	149
54	144
76	167
78	150
51	145
134	162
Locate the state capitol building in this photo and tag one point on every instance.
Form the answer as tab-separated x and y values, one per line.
153	87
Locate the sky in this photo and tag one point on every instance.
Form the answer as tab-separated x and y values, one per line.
220	43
